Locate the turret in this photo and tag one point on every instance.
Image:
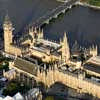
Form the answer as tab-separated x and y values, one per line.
94	50
31	32
35	30
40	34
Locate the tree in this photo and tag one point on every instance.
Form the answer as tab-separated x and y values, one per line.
11	89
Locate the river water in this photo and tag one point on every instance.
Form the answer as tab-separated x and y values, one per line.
22	12
81	23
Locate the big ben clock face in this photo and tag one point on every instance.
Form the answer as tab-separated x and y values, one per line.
8	28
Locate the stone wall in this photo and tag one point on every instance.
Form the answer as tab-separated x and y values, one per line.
71	80
13	50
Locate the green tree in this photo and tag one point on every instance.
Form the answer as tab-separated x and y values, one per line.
11	89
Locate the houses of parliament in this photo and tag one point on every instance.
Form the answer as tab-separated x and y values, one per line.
65	64
35	44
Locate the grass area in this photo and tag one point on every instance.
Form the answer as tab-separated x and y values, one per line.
92	2
49	98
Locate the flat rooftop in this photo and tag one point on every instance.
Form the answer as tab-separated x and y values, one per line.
51	44
92	67
46	46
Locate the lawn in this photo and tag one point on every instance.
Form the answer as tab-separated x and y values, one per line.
94	2
49	98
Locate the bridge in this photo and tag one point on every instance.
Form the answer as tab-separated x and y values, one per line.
52	14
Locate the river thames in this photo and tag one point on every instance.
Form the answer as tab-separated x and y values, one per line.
81	23
22	12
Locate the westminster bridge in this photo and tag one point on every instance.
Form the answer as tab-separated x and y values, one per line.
52	14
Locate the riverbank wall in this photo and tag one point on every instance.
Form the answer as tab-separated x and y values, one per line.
87	5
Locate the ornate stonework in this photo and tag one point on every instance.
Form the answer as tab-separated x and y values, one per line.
8	38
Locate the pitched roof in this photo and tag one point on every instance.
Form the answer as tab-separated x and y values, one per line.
8	98
25	65
18	96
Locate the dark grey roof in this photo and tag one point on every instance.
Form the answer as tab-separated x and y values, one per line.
92	67
25	66
75	47
56	53
25	37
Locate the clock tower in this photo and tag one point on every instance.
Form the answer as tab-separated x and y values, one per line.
7	26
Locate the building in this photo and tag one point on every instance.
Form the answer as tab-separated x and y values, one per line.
8	38
17	96
54	74
94	50
34	44
34	94
11	74
63	0
92	66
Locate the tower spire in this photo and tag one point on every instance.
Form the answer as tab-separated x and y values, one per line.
65	38
65	49
94	50
31	32
35	30
42	34
7	20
